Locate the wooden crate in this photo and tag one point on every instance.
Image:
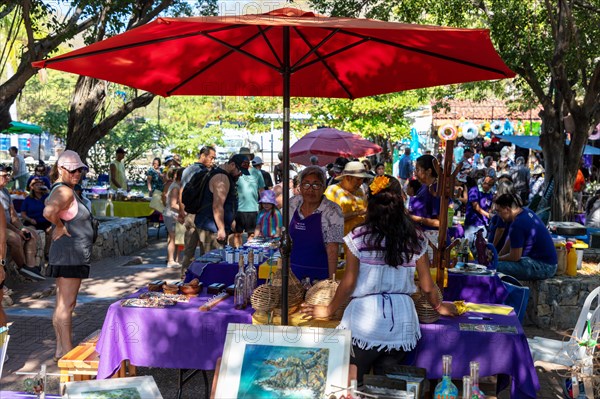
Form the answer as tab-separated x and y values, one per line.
82	362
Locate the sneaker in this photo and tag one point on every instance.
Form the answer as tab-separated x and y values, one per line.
32	272
173	264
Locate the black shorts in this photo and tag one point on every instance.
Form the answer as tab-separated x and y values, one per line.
82	271
245	221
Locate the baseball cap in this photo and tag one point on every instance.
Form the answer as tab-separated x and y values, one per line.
257	161
238	160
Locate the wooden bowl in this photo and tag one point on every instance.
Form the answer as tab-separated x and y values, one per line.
155	287
171	289
190	290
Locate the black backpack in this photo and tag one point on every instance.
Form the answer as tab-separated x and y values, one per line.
193	192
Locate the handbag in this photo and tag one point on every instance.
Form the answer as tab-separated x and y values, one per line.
180	233
156	202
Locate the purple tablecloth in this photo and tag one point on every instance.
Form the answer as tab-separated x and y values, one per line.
23	395
209	273
475	288
504	354
178	337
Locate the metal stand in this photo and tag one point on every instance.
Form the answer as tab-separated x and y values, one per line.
183	379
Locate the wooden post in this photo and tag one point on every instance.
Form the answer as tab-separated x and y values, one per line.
445	190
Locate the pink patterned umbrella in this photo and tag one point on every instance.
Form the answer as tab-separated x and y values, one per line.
328	144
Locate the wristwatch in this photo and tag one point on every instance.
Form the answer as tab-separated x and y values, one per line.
2	262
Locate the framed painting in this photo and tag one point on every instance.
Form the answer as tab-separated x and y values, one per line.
113	388
262	361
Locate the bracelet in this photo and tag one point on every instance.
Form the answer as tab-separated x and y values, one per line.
439	305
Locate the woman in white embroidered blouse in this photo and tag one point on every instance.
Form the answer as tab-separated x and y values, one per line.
384	253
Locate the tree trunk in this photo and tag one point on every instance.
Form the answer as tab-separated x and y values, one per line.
83	132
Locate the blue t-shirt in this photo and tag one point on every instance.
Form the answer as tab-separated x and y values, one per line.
472	217
528	232
425	204
34	208
405	167
497	223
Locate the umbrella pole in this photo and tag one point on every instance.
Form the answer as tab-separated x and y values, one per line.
286	244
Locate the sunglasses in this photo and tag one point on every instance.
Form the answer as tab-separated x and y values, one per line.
80	170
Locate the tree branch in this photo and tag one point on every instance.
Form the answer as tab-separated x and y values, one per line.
143	19
111	121
586	6
8	8
592	92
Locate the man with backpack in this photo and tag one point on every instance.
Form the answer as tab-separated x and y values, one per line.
206	160
212	196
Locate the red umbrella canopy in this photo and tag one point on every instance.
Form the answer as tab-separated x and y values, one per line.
329	57
329	144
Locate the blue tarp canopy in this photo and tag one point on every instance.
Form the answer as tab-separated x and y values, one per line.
532	142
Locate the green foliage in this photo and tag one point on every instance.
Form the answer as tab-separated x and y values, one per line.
136	135
47	104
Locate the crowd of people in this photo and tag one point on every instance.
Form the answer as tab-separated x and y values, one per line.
379	222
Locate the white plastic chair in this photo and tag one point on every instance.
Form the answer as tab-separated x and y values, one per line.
568	352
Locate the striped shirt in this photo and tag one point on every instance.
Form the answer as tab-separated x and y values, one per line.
268	222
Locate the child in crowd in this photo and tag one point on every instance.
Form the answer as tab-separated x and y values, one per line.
269	221
412	188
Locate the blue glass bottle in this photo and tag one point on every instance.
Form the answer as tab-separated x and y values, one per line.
446	388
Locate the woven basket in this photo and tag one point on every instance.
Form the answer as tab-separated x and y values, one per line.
265	298
295	288
425	311
322	294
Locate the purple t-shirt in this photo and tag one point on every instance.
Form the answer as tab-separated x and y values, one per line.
472	217
528	232
425	204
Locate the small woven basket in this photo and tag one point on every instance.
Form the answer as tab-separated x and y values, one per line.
265	298
322	294
425	311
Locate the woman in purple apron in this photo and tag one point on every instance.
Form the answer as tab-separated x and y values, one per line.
316	228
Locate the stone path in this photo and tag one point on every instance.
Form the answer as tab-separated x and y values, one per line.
32	336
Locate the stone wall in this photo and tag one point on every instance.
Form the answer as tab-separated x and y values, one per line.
120	236
556	303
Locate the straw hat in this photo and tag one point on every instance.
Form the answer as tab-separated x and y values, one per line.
356	169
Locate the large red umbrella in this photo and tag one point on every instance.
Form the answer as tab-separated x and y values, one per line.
328	144
286	52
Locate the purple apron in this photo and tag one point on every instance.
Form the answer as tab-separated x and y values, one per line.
309	256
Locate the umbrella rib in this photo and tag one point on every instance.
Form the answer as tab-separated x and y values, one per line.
217	60
266	39
425	52
348	93
329	55
238	49
313	49
138	44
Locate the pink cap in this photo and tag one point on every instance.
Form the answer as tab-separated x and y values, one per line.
70	160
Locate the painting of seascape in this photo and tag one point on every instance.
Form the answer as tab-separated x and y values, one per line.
283	372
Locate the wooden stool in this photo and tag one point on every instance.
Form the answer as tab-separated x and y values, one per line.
82	362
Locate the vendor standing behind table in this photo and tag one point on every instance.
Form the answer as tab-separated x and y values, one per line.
529	252
379	279
425	206
316	228
117	175
479	206
349	195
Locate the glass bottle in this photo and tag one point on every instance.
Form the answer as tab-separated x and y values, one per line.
446	389
251	275
466	387
481	246
239	293
476	392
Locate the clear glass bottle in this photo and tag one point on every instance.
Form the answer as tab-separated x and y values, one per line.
476	392
446	388
466	387
239	293
251	275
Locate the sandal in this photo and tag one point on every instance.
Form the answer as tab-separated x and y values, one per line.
56	359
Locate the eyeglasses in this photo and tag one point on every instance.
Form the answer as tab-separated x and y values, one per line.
314	186
78	170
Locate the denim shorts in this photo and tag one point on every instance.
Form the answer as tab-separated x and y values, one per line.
527	269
